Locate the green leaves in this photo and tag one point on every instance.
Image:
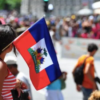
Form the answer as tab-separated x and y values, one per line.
2	3
9	4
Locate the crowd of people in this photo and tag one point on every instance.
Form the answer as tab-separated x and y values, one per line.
69	26
76	26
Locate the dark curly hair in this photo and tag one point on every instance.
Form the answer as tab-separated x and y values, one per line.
7	35
92	47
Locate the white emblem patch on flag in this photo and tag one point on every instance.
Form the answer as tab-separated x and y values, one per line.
40	55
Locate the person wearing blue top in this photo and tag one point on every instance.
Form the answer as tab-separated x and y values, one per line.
54	89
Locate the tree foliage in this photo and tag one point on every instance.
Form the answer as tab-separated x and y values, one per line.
2	3
10	4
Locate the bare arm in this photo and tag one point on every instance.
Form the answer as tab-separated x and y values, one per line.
3	74
87	72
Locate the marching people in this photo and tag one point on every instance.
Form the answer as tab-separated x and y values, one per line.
7	79
88	84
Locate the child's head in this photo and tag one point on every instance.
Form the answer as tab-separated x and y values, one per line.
95	95
92	48
7	35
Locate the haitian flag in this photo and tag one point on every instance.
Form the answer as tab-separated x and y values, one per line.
36	48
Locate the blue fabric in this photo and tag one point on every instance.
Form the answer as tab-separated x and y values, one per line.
40	31
56	85
86	93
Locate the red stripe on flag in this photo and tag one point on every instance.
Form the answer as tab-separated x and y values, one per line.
23	43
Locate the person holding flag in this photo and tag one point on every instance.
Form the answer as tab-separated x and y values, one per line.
7	80
36	47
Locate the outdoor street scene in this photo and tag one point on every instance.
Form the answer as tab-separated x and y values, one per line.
67	65
49	50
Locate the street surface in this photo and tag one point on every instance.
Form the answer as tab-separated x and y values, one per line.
67	65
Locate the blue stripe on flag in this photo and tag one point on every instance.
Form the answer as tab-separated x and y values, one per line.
53	72
37	30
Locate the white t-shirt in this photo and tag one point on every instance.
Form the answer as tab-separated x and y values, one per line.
21	76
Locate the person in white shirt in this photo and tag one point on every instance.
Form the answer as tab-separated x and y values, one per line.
11	62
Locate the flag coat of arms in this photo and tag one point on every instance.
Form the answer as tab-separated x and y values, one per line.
36	48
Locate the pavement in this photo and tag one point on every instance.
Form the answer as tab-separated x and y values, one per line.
67	65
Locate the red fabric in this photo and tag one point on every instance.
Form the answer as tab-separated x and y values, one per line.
8	84
2	21
97	31
23	43
84	35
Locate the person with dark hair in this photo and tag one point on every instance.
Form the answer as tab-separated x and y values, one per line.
88	84
92	47
7	79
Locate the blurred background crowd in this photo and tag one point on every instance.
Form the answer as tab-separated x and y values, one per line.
71	26
64	18
85	23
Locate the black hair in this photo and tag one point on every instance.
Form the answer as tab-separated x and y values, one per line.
7	35
14	65
92	47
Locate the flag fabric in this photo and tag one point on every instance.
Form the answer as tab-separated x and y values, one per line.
37	49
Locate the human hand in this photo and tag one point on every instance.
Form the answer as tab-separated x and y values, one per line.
64	75
19	91
78	87
18	87
24	86
94	86
18	83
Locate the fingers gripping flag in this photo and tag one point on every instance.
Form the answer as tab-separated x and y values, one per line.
36	48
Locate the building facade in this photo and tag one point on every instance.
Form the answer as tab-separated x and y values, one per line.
61	7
